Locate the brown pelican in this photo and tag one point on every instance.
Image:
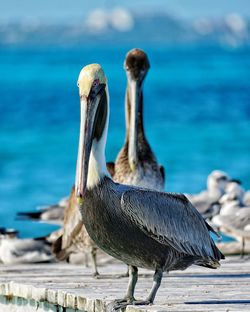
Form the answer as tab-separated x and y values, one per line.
141	227
15	250
216	183
136	163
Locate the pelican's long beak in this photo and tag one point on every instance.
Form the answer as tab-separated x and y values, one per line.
89	105
134	89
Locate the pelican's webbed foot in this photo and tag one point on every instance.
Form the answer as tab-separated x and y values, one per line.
96	274
121	304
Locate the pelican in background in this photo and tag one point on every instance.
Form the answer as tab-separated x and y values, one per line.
216	183
74	237
136	163
141	227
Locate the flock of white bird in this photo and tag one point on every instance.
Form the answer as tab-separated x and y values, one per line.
14	250
224	203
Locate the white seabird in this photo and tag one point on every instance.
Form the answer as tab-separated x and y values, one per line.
14	250
216	183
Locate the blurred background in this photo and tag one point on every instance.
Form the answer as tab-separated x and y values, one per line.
197	93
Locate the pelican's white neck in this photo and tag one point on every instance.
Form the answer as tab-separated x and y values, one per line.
97	161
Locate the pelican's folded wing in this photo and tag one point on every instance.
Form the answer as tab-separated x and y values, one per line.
170	219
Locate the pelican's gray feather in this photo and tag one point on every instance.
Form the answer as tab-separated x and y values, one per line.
170	219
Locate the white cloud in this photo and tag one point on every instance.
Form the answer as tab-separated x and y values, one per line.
121	19
236	23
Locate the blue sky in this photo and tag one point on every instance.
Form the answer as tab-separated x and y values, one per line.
66	10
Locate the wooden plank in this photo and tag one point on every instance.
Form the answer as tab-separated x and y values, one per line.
73	287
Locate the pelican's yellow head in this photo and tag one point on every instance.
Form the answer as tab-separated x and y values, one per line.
89	78
93	92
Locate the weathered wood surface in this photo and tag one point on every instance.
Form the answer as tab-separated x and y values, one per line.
72	286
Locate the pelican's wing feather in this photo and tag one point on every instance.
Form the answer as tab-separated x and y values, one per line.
170	219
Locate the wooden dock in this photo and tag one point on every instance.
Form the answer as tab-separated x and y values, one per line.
68	288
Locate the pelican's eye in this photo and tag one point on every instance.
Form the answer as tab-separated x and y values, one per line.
95	83
95	88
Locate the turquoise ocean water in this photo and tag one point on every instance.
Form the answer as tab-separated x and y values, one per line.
197	118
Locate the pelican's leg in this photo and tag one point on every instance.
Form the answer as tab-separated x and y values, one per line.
119	304
156	284
133	277
94	263
129	299
242	248
86	259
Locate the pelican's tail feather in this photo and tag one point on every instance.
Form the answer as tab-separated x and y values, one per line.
208	263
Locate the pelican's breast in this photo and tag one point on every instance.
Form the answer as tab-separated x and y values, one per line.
114	232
